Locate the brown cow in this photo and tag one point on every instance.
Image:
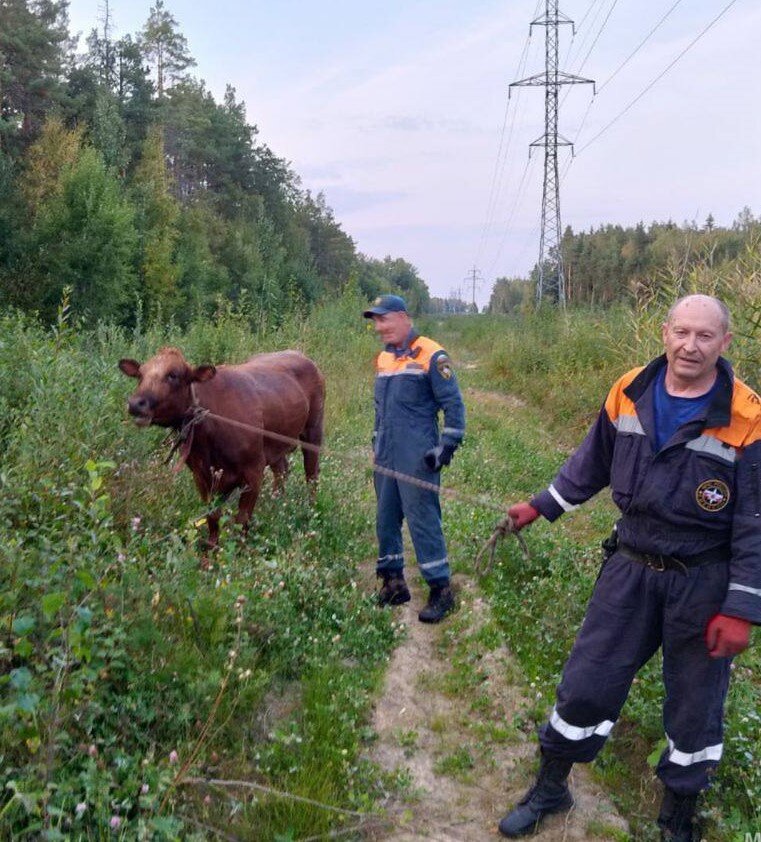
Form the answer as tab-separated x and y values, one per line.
283	393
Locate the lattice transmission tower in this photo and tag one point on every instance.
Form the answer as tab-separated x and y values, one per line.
551	284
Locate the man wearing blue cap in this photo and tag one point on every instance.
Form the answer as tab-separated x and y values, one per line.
414	381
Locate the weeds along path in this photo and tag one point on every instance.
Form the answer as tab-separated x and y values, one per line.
450	715
457	714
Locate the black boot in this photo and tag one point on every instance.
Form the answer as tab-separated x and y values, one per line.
394	590
440	603
550	794
677	817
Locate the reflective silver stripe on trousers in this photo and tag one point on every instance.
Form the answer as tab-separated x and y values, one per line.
427	565
390	557
685	758
629	424
576	733
562	502
714	447
745	589
452	431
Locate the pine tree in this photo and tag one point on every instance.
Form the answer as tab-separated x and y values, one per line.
164	46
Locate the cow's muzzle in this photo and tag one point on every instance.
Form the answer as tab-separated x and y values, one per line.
141	408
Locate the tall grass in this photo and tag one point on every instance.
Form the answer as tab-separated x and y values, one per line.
126	668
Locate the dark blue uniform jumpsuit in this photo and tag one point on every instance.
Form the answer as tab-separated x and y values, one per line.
697	499
412	385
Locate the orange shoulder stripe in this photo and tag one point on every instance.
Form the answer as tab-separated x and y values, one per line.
617	403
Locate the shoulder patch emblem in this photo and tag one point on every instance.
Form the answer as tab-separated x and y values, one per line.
712	495
444	367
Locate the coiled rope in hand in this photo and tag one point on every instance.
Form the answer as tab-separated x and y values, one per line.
505	527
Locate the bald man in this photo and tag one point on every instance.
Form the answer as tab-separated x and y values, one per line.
679	444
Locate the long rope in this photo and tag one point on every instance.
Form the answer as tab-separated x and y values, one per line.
478	500
503	528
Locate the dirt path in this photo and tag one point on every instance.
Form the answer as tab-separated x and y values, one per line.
466	759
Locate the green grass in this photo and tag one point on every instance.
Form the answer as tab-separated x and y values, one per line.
116	647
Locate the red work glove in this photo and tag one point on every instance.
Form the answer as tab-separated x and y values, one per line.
727	636
522	514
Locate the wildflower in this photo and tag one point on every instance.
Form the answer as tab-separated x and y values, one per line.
144	789
115	822
207	800
92	750
80	808
173	757
136	523
121	558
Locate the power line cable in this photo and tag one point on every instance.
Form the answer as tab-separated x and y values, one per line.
597	37
658	77
518	197
586	34
620	67
589	51
638	47
501	161
576	29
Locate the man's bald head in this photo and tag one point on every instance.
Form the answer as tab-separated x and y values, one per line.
699	303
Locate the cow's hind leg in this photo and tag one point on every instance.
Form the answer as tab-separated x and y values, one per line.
312	443
249	495
279	472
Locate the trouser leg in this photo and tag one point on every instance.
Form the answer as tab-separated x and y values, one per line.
621	631
388	524
423	512
696	684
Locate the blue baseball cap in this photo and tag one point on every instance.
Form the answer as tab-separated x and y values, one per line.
386	304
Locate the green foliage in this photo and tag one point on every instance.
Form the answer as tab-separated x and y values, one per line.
32	42
216	212
126	667
156	218
85	239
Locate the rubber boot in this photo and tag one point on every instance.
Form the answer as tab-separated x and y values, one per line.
440	603
394	590
549	794
677	817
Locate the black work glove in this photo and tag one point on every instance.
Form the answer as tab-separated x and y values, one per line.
437	457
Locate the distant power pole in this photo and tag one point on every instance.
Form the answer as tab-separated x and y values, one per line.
551	283
474	278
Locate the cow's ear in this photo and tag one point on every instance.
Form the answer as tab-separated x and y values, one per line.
130	367
202	373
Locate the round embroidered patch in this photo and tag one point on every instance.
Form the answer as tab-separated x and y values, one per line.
712	495
444	367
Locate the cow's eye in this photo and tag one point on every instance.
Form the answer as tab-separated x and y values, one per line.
172	377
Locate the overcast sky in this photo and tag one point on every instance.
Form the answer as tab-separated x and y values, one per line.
398	112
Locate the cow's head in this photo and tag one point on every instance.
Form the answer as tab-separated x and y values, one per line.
163	394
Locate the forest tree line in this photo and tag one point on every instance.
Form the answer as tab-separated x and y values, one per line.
126	186
615	264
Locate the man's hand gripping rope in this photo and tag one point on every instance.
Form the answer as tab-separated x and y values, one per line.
505	527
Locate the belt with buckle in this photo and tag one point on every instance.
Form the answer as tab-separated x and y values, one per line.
661	562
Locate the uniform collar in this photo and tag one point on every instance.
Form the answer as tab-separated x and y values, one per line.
719	413
406	350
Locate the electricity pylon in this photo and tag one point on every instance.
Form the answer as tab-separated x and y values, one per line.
474	278
551	283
